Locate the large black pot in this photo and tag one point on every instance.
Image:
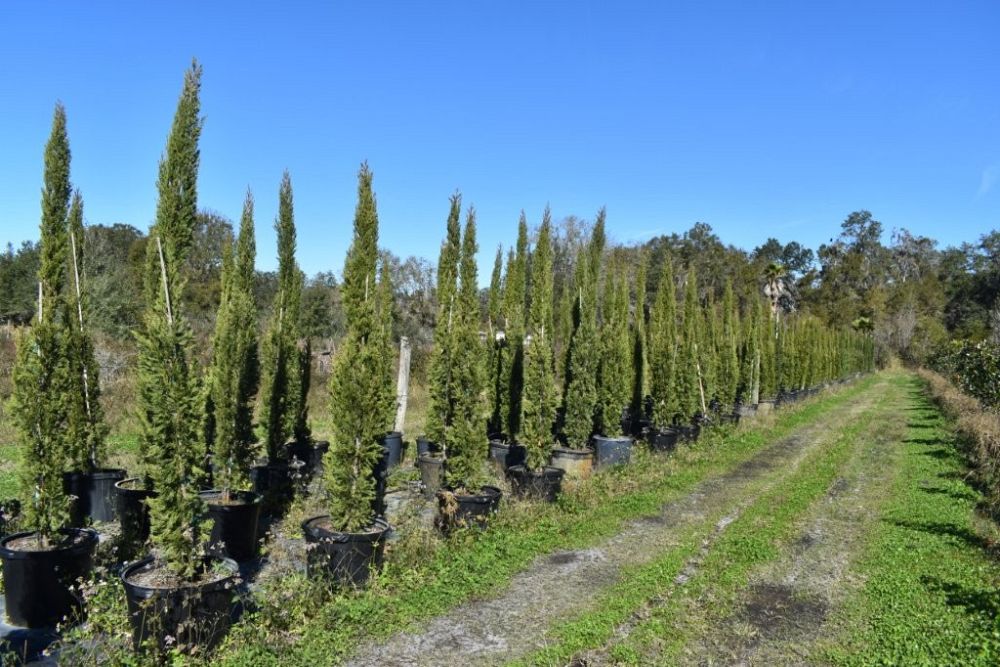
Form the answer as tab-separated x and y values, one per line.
612	451
94	494
346	558
309	452
37	584
425	446
503	455
458	510
662	440
393	444
133	515
431	468
187	616
544	484
234	524
688	432
274	482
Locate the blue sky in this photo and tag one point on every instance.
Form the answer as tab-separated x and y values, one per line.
761	119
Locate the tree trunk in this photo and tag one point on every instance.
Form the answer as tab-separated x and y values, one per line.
402	382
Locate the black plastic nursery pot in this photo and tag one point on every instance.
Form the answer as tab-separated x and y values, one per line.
190	615
688	432
612	451
503	455
577	463
393	444
234	524
94	494
544	484
274	482
133	514
458	510
431	468
425	446
37	584
345	558
309	452
662	440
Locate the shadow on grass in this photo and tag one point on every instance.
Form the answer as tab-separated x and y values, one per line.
974	601
946	530
964	494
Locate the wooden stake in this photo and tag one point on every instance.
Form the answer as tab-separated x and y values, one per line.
79	314
402	383
166	286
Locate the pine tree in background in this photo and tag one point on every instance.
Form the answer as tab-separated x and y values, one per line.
285	370
614	372
580	396
40	402
495	347
358	388
168	387
640	347
539	401
86	430
689	379
663	349
729	362
514	300
441	382
235	373
467	435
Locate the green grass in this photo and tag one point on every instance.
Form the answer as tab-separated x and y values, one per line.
931	596
477	564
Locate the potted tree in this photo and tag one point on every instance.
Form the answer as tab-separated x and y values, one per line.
232	385
729	363
179	596
535	477
347	543
583	356
663	361
750	366
41	565
614	446
638	418
466	499
690	388
496	344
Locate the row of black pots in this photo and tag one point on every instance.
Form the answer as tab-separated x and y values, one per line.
93	495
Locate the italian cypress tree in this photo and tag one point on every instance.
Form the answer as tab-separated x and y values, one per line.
580	396
284	370
750	365
358	389
538	404
663	349
441	381
709	349
169	390
565	310
235	373
640	359
614	377
86	429
467	435
768	382
515	286
495	346
41	385
729	363
689	380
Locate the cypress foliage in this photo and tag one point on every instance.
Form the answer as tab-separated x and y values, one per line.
86	429
709	349
284	369
689	379
750	366
538	404
235	373
768	370
467	435
442	387
614	377
495	347
729	363
515	286
40	402
360	394
169	390
580	397
663	349
565	325
640	348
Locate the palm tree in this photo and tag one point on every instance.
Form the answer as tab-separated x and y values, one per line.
774	286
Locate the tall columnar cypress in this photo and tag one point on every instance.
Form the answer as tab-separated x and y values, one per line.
768	369
86	429
689	377
235	373
467	434
360	396
168	386
580	397
565	325
750	364
495	347
729	363
284	368
595	253
663	349
442	382
614	384
538	403
708	351
514	300
40	402
640	348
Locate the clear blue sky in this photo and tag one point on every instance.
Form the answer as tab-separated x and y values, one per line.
759	118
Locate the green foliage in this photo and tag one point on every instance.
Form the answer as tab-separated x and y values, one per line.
514	302
614	373
361	398
663	349
168	387
538	405
690	397
768	359
749	391
729	363
235	372
640	342
583	356
495	347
